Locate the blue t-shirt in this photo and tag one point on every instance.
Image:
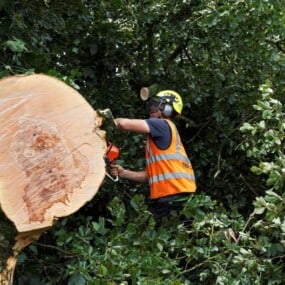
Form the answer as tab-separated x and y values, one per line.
160	132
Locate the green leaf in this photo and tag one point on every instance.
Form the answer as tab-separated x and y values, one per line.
16	45
246	127
76	279
259	211
102	270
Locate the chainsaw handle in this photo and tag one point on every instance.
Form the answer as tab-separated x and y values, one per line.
112	178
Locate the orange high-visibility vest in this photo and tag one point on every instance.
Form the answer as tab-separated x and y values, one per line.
169	171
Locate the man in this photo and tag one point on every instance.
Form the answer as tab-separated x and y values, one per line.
168	169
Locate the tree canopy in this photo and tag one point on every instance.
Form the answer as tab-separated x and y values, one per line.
227	60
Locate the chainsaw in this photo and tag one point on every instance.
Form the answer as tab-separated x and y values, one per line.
111	155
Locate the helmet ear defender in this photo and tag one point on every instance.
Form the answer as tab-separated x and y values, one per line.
167	110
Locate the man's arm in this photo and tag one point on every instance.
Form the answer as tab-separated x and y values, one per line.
137	176
135	125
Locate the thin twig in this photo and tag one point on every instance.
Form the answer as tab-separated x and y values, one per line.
56	248
250	188
238	239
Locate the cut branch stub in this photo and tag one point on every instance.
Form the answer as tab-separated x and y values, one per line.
51	150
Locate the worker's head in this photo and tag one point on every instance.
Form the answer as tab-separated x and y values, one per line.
167	102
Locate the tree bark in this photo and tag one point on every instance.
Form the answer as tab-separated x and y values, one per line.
51	155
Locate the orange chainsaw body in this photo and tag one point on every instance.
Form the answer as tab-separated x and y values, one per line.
112	153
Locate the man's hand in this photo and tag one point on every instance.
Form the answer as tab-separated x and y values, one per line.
116	170
137	176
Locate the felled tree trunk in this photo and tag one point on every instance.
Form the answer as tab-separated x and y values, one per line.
51	156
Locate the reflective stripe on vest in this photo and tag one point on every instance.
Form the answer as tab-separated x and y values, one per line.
172	175
173	156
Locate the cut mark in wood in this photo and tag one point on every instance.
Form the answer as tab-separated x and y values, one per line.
52	169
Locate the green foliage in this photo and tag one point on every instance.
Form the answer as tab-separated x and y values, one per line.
208	246
265	139
16	45
216	54
68	79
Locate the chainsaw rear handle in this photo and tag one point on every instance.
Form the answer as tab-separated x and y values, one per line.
116	179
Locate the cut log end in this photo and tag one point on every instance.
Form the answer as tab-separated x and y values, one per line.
51	151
